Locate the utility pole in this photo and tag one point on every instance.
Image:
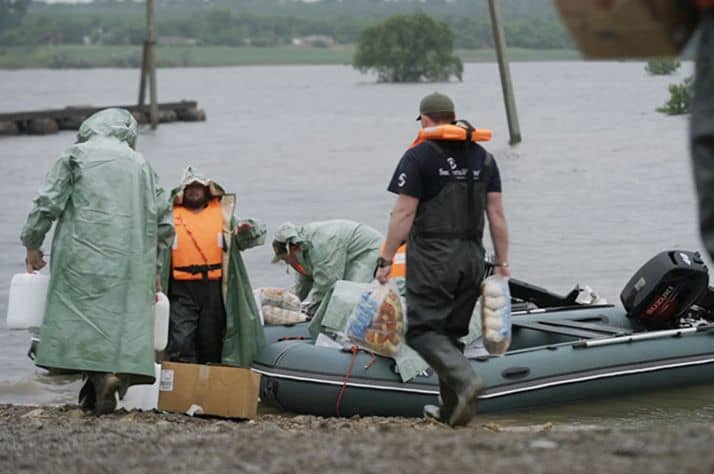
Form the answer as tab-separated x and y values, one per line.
500	41
148	67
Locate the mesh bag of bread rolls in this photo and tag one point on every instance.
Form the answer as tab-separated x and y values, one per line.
278	306
279	297
377	322
496	314
277	315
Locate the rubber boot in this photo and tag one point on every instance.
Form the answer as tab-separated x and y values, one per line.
458	384
439	412
433	412
87	396
105	388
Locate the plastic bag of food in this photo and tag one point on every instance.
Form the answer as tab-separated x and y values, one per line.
496	314
279	306
276	315
279	297
377	323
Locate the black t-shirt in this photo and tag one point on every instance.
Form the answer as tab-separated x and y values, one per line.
423	172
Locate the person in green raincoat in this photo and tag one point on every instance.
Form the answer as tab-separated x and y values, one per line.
113	226
323	252
214	318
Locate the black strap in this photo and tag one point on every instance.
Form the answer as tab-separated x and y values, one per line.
471	229
194	269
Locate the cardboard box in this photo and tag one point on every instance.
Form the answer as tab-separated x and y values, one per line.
217	390
608	29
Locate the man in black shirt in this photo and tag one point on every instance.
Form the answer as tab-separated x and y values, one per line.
444	189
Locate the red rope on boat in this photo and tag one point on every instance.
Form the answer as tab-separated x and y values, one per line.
354	351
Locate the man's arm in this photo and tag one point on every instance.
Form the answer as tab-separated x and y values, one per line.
48	205
400	223
499	232
165	222
248	233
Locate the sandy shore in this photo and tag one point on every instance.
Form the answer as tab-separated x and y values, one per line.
65	440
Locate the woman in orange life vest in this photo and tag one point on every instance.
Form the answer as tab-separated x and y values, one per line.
205	252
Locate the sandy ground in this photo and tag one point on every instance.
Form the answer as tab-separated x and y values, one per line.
65	440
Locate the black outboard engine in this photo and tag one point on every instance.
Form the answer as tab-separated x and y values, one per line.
665	287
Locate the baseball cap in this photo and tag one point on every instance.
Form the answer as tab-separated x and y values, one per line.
435	103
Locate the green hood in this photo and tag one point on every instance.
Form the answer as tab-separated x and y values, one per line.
193	175
117	123
290	233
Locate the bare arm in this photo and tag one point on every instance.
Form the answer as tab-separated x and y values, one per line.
400	223
499	231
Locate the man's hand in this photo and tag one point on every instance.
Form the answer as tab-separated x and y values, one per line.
383	274
243	227
34	260
158	286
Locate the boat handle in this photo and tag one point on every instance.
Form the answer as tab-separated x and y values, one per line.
515	372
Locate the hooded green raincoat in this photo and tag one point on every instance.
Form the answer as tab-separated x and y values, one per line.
113	219
244	332
331	251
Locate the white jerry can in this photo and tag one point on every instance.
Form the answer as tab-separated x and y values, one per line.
161	322
27	300
142	397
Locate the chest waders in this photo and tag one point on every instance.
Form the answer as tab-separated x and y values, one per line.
445	265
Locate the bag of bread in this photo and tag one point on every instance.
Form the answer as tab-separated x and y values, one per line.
496	314
279	297
279	306
377	322
277	315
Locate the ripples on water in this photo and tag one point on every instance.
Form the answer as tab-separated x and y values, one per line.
601	183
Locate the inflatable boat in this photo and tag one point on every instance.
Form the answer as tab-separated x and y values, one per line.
662	336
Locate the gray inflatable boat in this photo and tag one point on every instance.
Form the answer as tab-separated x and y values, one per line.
661	337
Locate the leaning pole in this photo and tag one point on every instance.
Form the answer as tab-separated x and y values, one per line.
148	67
500	40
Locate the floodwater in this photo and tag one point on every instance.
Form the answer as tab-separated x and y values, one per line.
600	184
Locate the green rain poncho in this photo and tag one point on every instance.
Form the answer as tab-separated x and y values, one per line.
331	251
244	332
113	219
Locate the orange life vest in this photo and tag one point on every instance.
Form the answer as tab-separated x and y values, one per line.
399	262
198	246
452	133
299	268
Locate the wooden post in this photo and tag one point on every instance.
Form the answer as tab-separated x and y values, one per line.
148	67
500	42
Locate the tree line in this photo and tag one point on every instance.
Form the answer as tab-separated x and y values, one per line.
222	23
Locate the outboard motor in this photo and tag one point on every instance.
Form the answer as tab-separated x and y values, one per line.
665	287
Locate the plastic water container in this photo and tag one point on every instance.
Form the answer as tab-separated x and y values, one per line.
142	397
161	322
27	300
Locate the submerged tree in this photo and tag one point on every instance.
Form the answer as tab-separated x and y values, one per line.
662	67
409	48
680	98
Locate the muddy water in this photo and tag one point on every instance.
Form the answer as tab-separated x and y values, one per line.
601	183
